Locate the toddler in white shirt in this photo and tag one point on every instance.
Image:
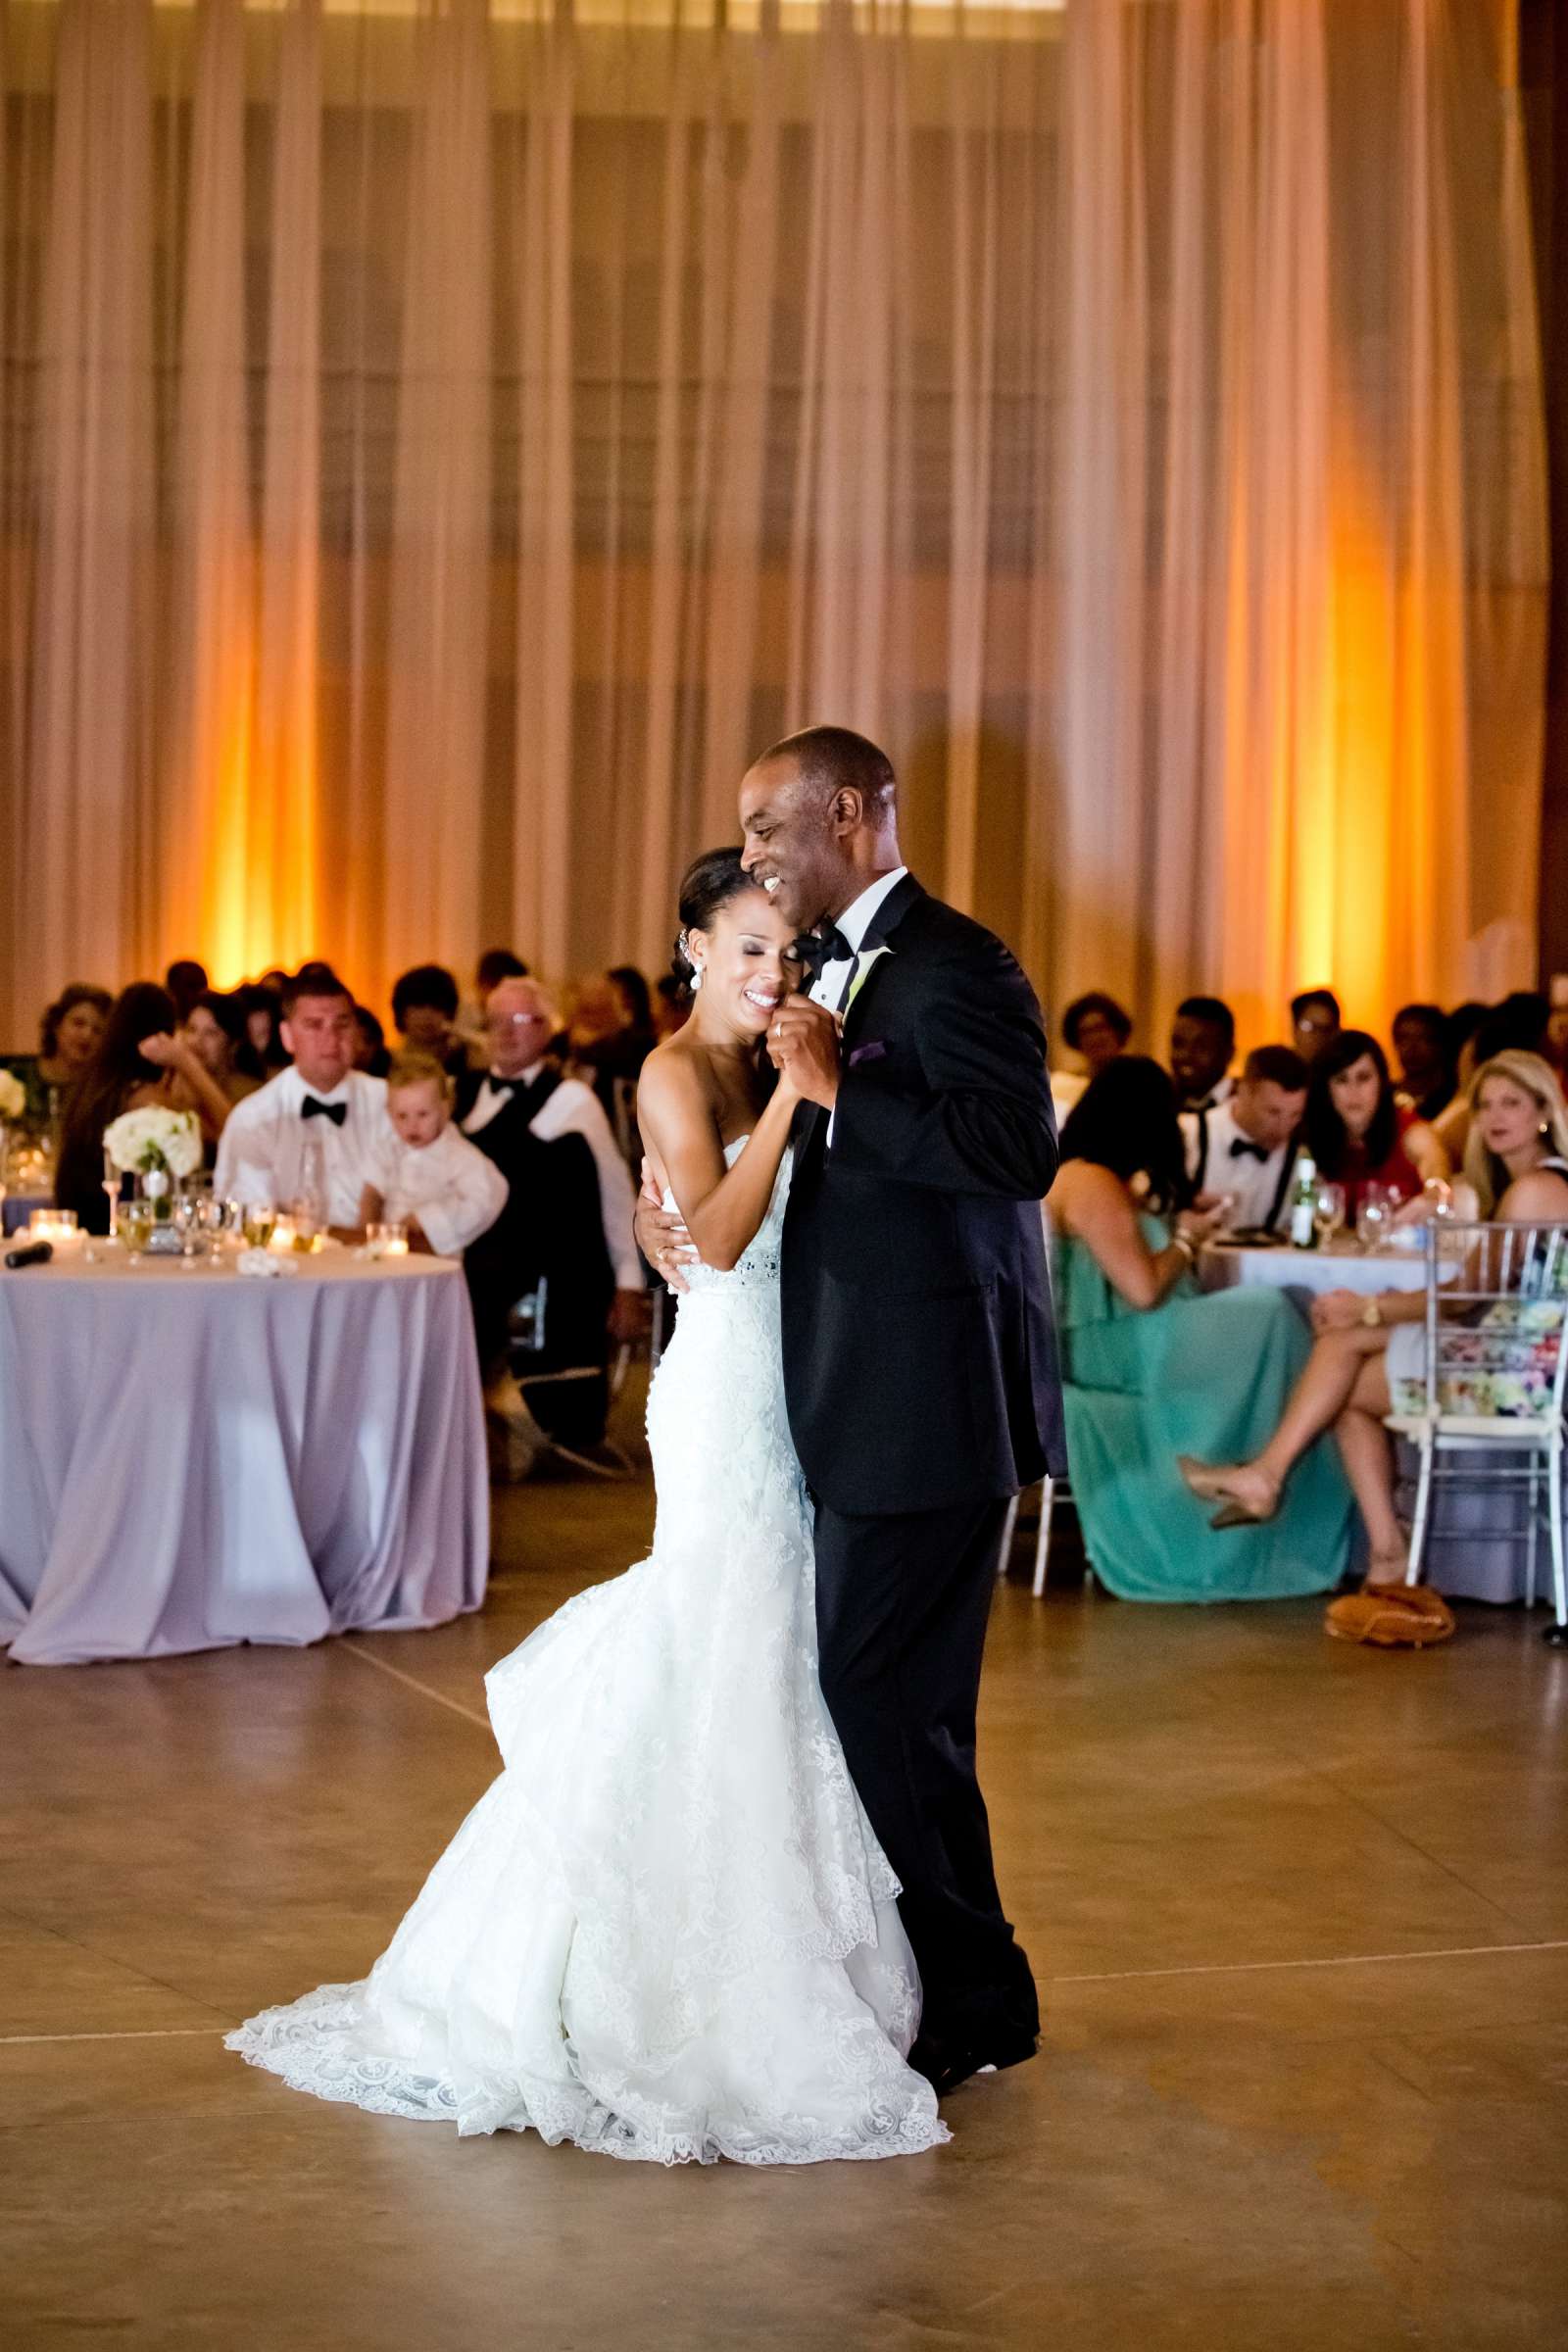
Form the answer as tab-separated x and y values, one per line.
427	1175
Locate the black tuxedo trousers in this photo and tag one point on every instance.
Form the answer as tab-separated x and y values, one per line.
900	1616
920	1378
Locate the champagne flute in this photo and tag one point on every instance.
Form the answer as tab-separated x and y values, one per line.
111	1185
187	1221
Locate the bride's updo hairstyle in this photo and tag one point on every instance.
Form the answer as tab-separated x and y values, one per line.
710	882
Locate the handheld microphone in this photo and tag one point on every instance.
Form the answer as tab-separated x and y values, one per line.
36	1253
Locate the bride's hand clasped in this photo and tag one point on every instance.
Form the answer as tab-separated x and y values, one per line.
803	1040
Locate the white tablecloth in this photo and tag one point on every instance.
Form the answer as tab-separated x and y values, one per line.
1222	1267
189	1458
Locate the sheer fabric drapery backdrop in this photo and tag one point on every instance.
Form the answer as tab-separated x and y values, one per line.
440	440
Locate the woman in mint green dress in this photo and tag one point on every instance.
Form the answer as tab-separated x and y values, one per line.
1154	1370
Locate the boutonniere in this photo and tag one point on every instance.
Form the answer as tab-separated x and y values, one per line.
863	961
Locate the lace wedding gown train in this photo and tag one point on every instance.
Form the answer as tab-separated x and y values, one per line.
666	1932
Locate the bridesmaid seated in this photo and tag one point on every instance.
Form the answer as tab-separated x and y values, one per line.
1369	1360
1358	1131
1154	1369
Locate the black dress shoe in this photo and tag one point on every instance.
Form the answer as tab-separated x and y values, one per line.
947	2064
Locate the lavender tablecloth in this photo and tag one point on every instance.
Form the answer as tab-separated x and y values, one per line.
191	1459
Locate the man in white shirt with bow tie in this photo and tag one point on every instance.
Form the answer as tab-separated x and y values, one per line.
1246	1145
322	1111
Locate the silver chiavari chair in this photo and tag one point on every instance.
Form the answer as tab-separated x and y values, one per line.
1496	1312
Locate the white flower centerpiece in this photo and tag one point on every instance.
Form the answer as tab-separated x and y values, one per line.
160	1148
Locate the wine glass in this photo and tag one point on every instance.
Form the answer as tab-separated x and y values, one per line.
1328	1213
1372	1220
259	1219
136	1224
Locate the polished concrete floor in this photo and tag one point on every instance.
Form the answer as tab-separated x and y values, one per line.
1299	1915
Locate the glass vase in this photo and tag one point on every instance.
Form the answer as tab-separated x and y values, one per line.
159	1190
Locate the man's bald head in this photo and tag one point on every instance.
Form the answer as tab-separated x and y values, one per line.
520	1019
820	822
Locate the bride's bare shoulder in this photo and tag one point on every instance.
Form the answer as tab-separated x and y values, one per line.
675	1089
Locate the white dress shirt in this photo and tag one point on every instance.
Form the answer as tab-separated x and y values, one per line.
1220	1092
1252	1183
450	1185
261	1153
834	978
854	923
575	1109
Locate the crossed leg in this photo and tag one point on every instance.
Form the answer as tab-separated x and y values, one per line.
1343	1386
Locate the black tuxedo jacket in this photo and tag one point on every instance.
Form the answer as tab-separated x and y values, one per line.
920	1363
553	1221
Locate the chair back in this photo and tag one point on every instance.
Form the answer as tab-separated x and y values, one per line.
1497	1321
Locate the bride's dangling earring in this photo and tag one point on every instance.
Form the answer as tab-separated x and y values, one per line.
696	979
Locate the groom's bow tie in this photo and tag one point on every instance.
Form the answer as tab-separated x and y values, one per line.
826	945
312	1107
1241	1149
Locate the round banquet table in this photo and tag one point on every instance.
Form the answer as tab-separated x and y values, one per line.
191	1458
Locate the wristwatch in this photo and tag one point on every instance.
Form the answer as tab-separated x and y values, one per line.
1372	1314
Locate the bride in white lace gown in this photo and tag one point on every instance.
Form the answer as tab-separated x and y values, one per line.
666	1932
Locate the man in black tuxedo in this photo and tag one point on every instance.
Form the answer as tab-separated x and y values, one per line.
919	1354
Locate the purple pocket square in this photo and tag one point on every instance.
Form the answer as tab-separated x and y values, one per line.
869	1052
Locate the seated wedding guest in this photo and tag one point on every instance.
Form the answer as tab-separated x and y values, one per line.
613	1056
430	1177
214	1031
494	965
1203	1047
1369	1360
264	1052
568	1213
141	1061
1149	1361
1356	1131
369	1043
1095	1026
185	981
1315	1022
636	998
69	1035
1464	1025
424	1009
1245	1151
1426	1082
320	1103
